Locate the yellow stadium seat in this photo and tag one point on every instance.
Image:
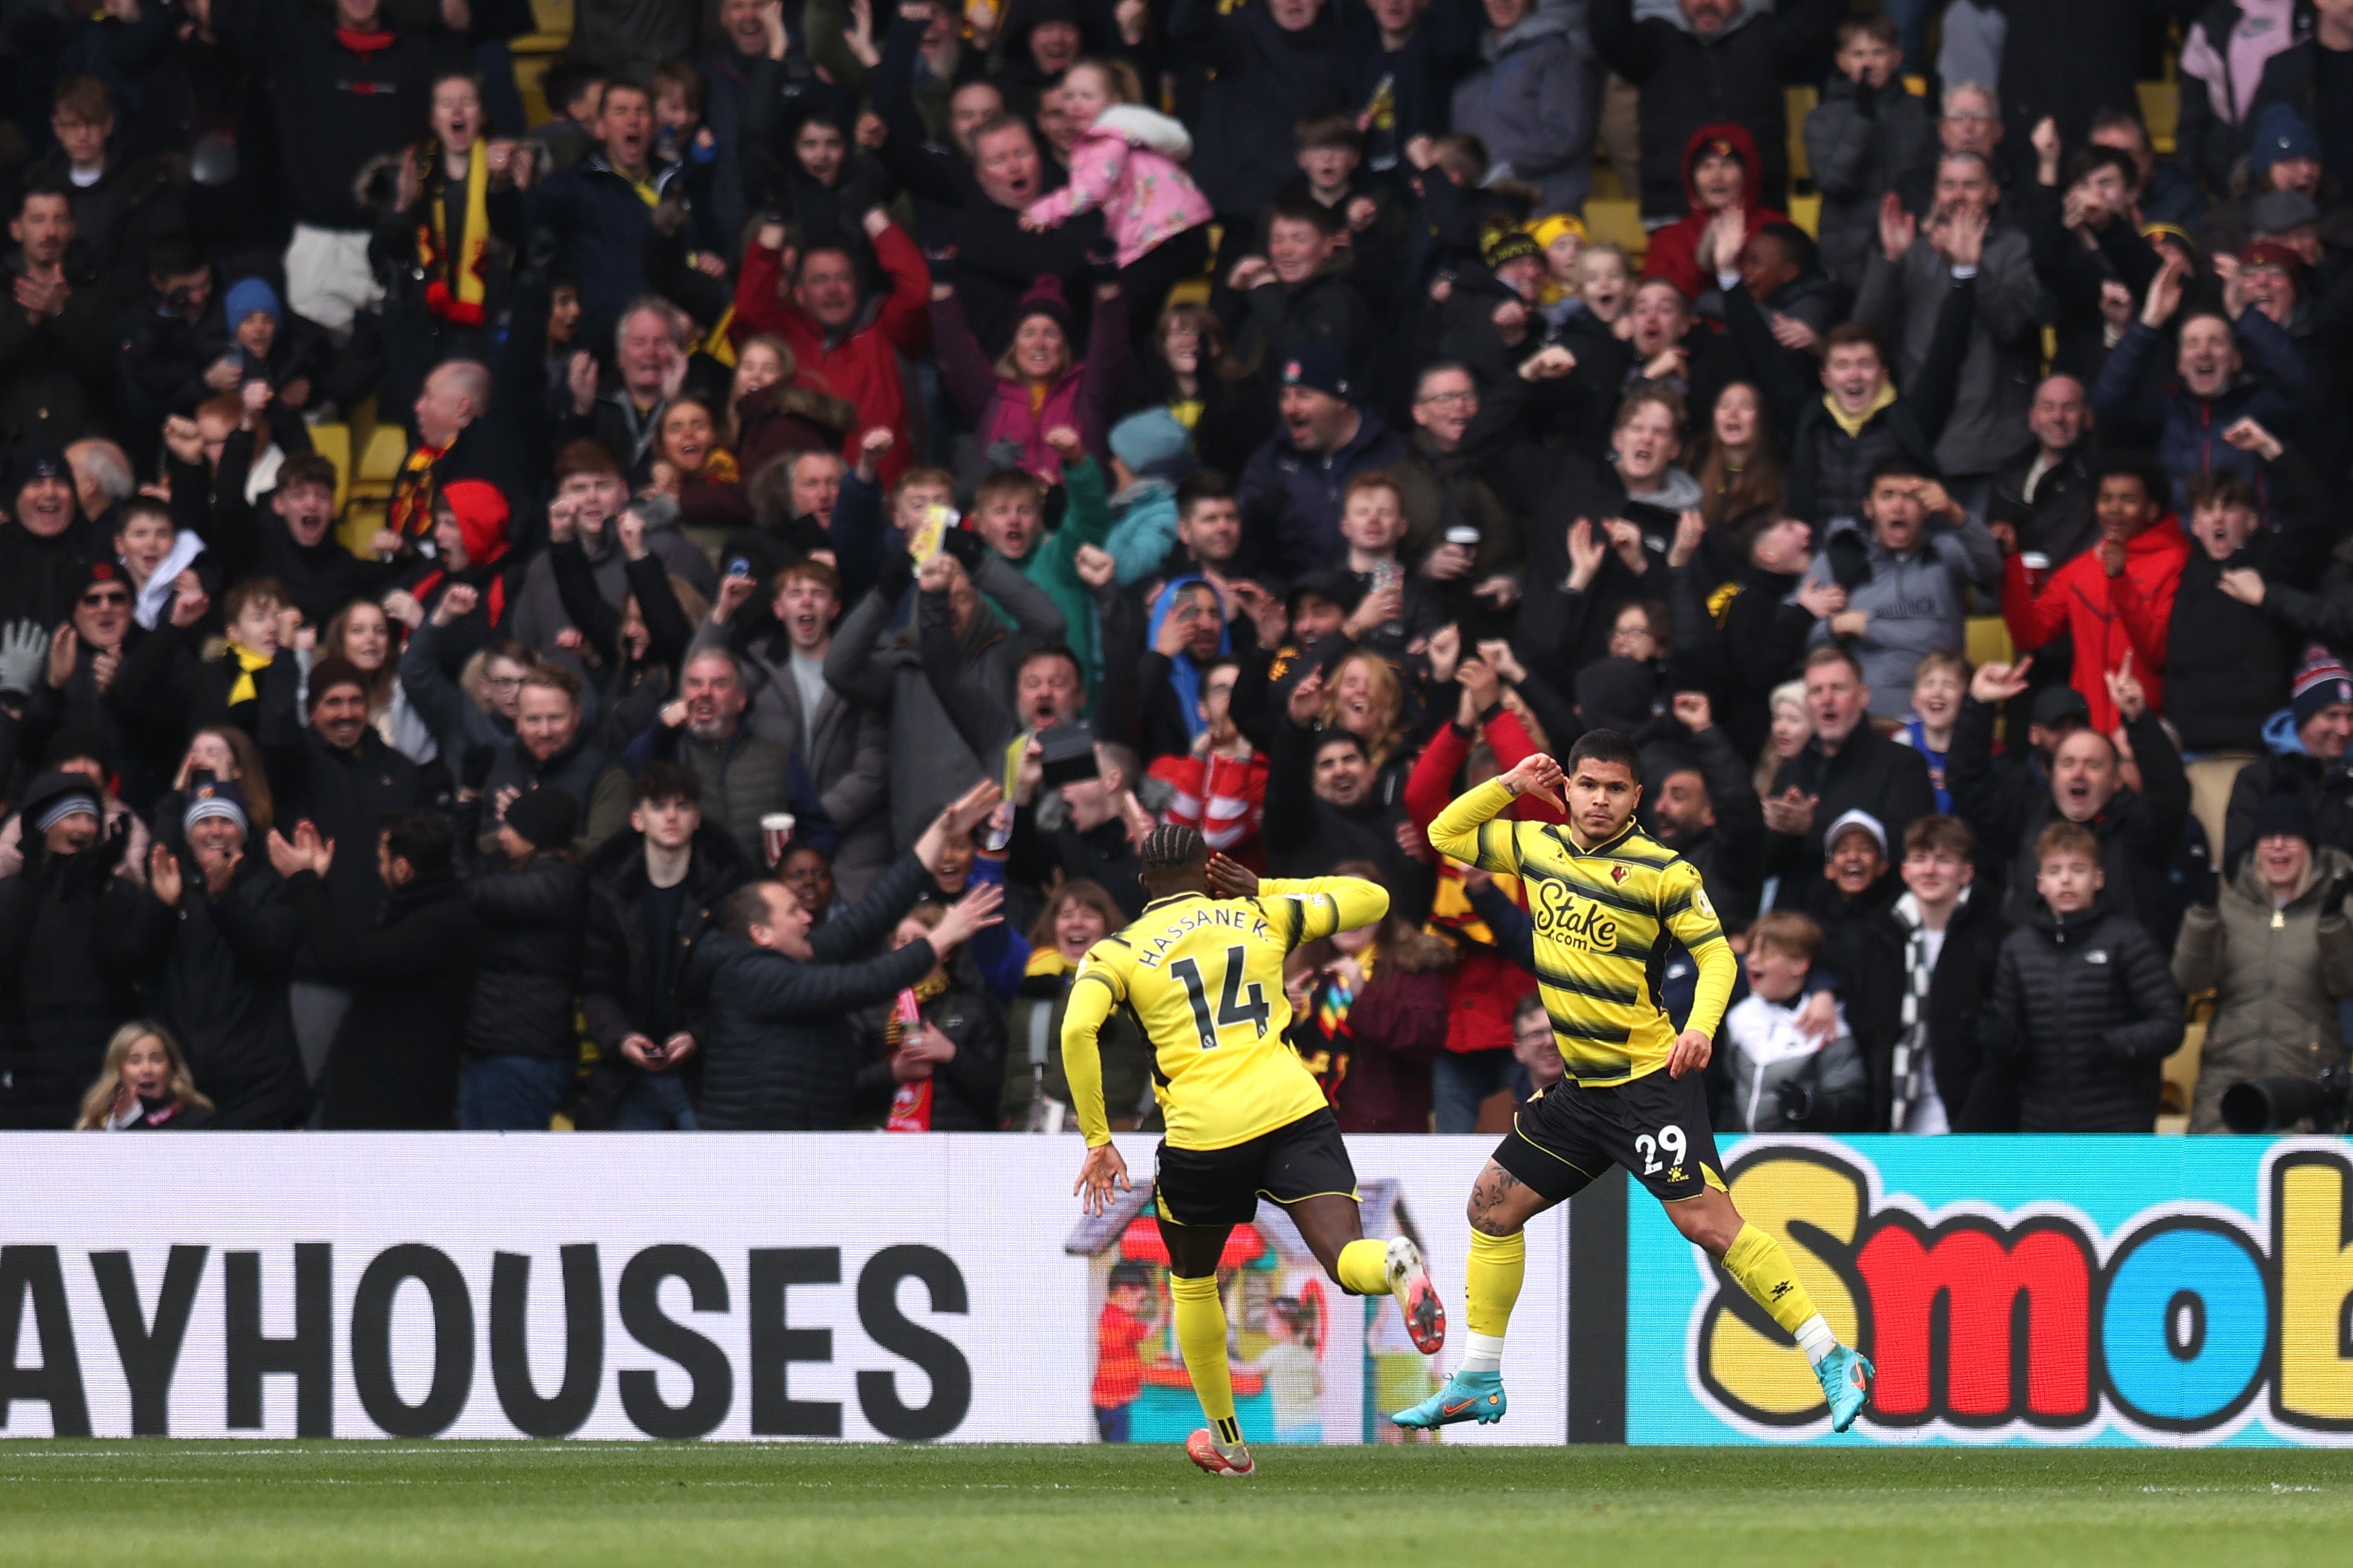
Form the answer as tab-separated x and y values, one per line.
1806	212
2160	110
1618	222
380	460
333	442
1796	103
358	526
1988	640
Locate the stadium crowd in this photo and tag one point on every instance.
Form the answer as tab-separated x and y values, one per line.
865	468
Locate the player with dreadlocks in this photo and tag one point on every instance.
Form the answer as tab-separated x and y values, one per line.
1201	972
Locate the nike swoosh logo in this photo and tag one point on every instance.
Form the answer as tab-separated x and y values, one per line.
1456	1409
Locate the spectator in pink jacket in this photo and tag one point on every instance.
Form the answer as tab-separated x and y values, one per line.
1129	161
1038	384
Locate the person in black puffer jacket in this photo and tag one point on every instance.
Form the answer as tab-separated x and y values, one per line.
520	1050
778	1057
945	1076
70	937
2083	999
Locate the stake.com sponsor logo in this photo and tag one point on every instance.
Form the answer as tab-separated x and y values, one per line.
2181	1325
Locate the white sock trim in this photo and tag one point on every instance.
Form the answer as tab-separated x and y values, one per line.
1482	1352
1814	1338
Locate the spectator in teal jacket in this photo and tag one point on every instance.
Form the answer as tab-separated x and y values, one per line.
1008	512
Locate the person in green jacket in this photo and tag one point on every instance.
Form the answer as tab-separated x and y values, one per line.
1008	512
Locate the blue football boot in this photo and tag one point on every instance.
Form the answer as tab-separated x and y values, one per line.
1846	1382
1467	1396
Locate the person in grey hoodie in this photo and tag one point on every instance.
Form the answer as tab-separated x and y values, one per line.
1534	100
932	763
1905	580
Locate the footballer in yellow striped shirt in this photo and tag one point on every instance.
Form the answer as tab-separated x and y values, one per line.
1201	974
1607	902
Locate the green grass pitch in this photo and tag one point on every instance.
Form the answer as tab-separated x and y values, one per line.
167	1503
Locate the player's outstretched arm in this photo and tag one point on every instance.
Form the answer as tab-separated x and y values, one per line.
1329	903
1462	830
1693	923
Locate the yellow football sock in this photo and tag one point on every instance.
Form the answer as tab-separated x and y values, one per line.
1364	1268
1756	1261
1490	1282
1201	1335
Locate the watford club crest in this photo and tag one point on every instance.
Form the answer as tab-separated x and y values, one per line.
1618	873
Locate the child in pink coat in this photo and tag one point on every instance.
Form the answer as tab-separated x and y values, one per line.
1129	161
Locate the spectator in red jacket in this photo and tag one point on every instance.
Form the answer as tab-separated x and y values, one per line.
1721	170
846	345
1485	986
1221	783
2142	544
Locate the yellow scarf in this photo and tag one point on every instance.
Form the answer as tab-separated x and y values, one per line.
464	262
1852	424
249	665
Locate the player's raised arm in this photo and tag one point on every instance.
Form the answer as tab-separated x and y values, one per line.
1466	830
1327	904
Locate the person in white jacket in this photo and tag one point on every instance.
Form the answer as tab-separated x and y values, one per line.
1781	1079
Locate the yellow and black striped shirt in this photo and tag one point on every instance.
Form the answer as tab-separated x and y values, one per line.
1203	978
1603	918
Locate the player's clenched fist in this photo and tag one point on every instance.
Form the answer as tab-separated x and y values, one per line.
1538	775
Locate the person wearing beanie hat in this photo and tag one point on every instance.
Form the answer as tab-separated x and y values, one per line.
43	543
214	800
520	1052
2284	137
252	297
2271	943
2308	743
1292	487
474	576
62	811
1151	454
1040	383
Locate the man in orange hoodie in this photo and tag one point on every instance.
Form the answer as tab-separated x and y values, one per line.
1721	169
2115	600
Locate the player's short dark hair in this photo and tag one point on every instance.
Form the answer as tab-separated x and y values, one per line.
1174	843
423	839
2155	482
1606	746
662	783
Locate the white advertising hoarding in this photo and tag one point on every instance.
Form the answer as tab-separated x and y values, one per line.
853	1286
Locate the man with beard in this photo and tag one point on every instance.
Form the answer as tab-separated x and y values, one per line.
843	744
337	772
1321	808
68	929
745	776
1294	484
1706	809
55	358
549	749
1443	492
